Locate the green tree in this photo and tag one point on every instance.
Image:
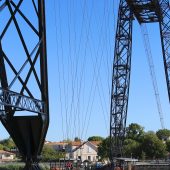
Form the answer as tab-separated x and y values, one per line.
76	139
132	148
104	149
168	145
143	155
95	138
67	140
1	147
7	143
163	134
153	147
134	131
48	153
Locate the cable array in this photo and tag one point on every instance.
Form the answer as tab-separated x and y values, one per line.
152	71
84	55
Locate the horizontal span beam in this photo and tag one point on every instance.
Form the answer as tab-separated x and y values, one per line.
145	11
18	101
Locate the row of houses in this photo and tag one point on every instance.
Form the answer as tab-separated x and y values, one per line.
84	151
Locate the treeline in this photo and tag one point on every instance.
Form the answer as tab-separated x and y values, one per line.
48	153
7	144
140	144
137	144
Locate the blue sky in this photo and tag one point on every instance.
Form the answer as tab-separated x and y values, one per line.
80	47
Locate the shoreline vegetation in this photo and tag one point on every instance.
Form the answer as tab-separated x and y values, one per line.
150	148
19	166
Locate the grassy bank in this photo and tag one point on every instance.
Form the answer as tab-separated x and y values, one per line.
19	166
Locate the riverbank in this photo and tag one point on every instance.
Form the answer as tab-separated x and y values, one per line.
20	166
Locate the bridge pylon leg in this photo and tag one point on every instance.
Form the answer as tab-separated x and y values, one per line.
30	165
24	105
120	79
165	39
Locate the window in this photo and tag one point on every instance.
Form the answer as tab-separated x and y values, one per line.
89	158
89	150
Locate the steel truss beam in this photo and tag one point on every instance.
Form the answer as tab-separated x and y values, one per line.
16	93
120	79
165	39
20	102
146	11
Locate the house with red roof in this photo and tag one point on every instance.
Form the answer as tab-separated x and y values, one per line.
6	156
78	150
84	151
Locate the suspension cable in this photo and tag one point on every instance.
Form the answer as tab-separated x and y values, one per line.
152	71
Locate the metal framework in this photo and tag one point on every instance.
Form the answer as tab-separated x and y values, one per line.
23	76
121	77
145	11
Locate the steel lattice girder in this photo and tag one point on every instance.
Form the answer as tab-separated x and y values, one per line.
146	11
121	78
165	39
23	76
122	59
13	99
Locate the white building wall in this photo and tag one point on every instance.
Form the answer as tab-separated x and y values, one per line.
7	157
85	152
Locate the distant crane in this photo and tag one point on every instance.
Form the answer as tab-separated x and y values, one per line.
145	11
